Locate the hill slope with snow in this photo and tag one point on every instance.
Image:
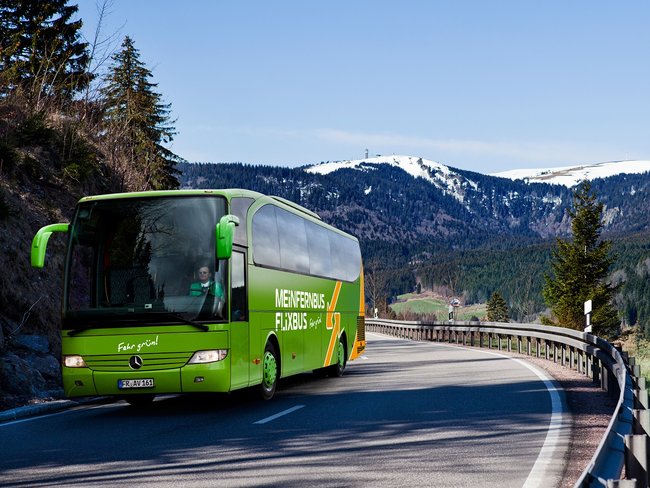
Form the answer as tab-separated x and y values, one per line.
447	179
441	176
572	175
405	199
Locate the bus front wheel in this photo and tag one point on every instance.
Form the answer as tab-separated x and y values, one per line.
270	372
336	369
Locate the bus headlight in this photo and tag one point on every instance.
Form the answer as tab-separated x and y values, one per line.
211	356
74	362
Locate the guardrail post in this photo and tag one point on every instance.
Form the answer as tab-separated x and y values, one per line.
621	483
636	371
595	369
641	423
581	365
528	346
519	344
604	379
612	384
636	459
641	399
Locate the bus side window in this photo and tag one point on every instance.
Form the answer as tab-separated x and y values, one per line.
239	303
239	208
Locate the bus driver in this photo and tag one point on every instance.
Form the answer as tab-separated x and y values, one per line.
206	285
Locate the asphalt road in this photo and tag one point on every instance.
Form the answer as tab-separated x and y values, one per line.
406	414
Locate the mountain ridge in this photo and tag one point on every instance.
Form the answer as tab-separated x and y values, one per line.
397	198
568	176
572	175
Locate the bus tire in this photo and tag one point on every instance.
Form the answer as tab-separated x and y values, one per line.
336	369
270	372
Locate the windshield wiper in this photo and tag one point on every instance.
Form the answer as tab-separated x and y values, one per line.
135	320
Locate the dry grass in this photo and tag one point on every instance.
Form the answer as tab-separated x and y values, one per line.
637	347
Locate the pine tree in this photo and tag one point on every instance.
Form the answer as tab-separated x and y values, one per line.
497	309
41	51
139	124
580	267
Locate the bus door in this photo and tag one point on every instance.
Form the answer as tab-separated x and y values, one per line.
240	358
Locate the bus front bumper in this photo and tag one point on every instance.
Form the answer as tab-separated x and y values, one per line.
211	377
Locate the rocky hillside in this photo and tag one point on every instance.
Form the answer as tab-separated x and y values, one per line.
30	299
47	162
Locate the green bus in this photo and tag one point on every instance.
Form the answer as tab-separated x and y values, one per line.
203	291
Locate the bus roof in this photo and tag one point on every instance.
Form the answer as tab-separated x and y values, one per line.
227	192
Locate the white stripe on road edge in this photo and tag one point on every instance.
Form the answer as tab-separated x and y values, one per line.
60	412
544	472
36	417
278	415
539	475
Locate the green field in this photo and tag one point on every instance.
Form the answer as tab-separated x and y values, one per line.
428	304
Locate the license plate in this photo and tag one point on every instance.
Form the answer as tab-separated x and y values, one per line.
139	383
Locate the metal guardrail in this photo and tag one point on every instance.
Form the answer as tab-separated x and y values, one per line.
622	452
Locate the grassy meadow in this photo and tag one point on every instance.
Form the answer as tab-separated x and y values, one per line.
429	304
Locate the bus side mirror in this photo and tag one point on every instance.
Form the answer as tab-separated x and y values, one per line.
225	232
39	243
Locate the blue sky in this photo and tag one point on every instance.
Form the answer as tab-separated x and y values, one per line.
479	85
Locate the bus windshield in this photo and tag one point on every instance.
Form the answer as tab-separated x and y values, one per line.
137	261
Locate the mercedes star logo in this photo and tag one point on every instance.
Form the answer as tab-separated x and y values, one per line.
135	362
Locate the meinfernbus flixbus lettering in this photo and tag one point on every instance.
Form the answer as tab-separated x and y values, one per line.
203	291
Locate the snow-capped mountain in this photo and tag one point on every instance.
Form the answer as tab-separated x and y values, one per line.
411	200
441	176
416	167
572	175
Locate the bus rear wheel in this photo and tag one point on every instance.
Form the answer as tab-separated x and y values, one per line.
270	372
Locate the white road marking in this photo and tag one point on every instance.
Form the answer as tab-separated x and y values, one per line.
544	467
278	415
61	412
28	419
539	475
